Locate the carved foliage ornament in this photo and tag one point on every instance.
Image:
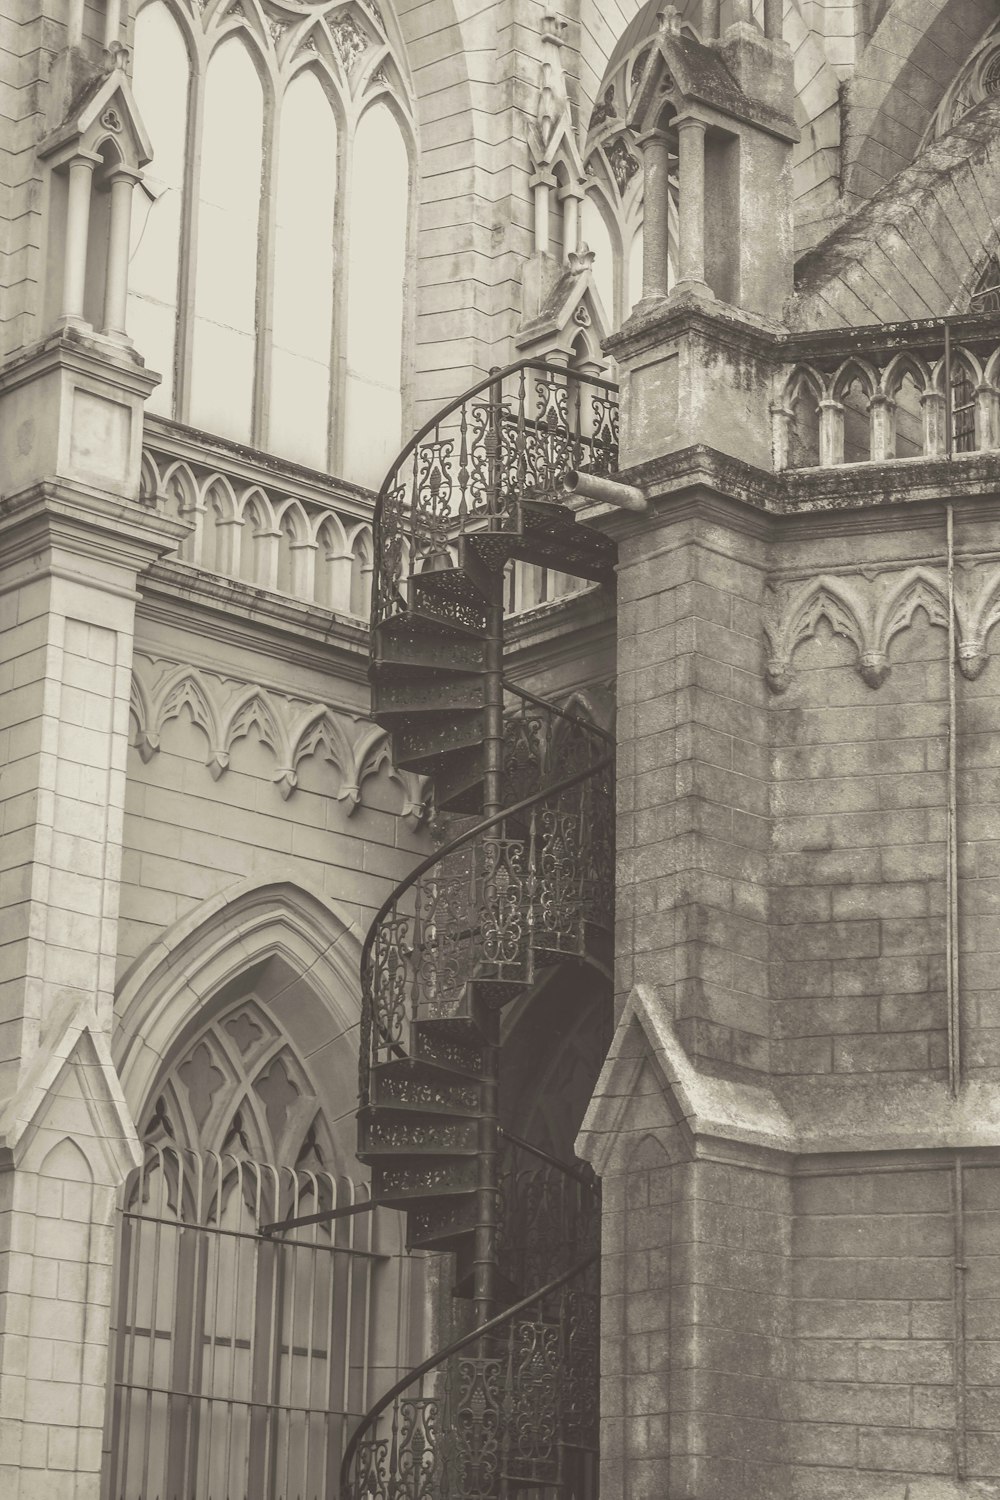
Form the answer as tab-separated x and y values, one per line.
622	163
292	729
870	611
349	40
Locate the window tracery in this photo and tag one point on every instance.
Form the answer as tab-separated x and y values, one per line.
614	183
986	293
239	1087
977	79
270	295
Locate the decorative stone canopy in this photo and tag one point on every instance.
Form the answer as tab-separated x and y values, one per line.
681	73
106	115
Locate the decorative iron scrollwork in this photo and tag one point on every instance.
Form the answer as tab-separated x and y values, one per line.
512	436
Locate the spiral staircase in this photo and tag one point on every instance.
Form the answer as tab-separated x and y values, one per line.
521	883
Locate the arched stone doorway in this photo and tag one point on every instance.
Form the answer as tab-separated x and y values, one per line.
240	1360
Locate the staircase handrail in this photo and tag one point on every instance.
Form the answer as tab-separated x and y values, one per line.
440	1356
554	789
495	377
588	724
494	380
567	1168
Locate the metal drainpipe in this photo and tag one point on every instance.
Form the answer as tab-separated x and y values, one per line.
484	1253
954	1019
487	1182
961	1269
951	872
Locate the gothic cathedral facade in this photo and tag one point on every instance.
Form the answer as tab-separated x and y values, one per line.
498	750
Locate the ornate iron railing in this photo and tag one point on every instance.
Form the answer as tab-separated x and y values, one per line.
508	438
527	881
505	1408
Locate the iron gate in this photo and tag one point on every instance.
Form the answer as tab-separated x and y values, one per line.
239	1363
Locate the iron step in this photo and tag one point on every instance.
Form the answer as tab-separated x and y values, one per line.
409	640
448	598
425	693
446	1043
388	1134
412	1184
418	746
420	1088
552	538
444	1226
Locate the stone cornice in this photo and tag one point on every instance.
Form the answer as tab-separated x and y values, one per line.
677	316
878	338
254	620
780	1117
84	353
87	522
848	499
901	481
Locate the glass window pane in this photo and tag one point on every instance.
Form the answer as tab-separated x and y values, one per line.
376	279
161	77
226	280
303	274
597	237
634	292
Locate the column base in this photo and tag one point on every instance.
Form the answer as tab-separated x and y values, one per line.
689	286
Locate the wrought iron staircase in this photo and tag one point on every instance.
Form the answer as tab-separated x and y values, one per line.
522	882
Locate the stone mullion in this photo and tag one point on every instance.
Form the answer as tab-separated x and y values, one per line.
266	241
342	275
188	258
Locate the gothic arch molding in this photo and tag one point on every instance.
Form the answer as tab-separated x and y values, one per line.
311	950
916	249
900	78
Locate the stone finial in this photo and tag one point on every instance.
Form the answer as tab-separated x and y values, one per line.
553	100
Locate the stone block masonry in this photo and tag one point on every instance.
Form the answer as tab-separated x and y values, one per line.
813	1251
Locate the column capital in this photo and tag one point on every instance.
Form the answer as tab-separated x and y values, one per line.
655	137
575	190
691	118
120	171
72	154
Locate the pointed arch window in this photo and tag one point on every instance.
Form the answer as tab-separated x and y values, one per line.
269	259
240	1363
304	270
161	79
376	275
225	283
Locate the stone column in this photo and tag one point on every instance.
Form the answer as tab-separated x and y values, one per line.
571	198
882	419
655	147
831	433
112	22
81	182
696	1233
691	202
122	181
933	409
541	185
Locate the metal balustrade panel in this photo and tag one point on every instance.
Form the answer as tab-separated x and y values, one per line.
240	1363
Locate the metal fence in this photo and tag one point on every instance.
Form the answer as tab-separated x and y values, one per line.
240	1363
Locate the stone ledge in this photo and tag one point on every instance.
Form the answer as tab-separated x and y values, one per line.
848	1114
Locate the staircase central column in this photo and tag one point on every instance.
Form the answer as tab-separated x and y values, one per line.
488	1186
